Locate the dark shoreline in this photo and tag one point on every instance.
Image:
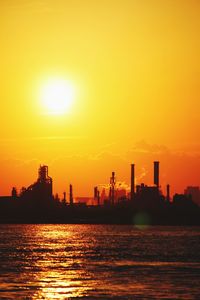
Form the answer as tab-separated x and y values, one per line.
3	221
127	213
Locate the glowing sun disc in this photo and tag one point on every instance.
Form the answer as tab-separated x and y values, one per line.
57	96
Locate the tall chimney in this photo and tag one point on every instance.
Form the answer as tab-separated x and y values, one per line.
156	173
71	194
98	197
168	193
95	192
112	186
132	181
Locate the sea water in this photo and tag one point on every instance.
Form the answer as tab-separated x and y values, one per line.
99	262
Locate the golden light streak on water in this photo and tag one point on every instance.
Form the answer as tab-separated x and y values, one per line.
67	281
99	262
55	285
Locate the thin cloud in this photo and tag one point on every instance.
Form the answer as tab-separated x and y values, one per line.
38	138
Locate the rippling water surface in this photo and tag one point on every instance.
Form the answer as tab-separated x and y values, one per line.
99	262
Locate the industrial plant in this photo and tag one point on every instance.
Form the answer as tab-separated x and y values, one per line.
143	204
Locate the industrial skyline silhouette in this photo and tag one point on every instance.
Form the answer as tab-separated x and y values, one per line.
143	205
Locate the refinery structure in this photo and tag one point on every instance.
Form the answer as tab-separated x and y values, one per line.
143	203
43	189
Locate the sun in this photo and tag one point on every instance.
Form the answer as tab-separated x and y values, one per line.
57	96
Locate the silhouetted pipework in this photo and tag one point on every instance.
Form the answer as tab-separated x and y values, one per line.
112	188
43	176
64	197
14	192
132	181
97	195
41	189
71	201
110	193
156	173
95	192
168	193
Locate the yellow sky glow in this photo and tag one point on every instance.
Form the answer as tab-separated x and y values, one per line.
134	66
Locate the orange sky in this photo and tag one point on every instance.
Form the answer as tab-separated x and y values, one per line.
135	68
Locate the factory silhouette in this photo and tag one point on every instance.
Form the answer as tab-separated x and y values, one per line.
144	205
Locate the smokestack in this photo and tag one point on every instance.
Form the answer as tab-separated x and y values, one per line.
156	173
112	186
71	195
113	176
97	195
95	192
132	181
168	193
64	197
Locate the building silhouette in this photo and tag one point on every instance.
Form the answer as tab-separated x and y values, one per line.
41	189
194	193
37	204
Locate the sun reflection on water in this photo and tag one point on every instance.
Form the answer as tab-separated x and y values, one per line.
98	262
58	286
59	276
